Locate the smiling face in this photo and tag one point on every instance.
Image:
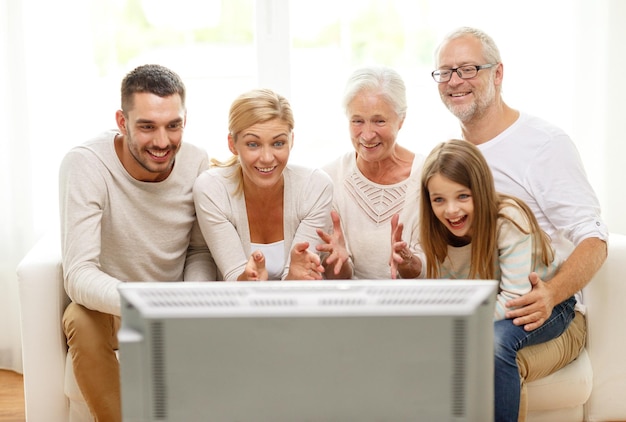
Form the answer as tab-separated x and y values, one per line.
152	135
263	151
468	98
452	204
374	126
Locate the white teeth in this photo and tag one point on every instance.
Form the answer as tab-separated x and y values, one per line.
265	169
159	154
456	221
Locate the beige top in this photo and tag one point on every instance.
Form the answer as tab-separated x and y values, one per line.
115	228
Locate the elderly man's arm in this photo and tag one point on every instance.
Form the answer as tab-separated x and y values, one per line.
535	307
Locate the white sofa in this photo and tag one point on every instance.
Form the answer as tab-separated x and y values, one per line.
592	388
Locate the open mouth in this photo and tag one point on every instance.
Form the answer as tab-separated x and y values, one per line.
457	223
159	154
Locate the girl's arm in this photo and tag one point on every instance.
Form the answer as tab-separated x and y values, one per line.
516	251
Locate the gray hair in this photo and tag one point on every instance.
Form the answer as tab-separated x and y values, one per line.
491	53
383	80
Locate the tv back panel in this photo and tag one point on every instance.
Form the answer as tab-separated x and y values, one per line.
389	350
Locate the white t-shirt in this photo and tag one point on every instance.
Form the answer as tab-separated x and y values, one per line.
538	163
274	254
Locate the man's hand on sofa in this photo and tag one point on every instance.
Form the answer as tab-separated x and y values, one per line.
532	309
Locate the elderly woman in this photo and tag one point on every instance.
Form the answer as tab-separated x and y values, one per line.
373	183
257	213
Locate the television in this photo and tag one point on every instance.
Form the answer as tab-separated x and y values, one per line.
351	350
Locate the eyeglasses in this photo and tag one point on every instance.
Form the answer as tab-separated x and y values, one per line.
464	72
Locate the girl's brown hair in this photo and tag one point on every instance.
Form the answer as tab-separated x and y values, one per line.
463	163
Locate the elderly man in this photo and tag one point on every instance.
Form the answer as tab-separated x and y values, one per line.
537	162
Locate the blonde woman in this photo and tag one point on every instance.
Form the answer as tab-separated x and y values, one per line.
259	214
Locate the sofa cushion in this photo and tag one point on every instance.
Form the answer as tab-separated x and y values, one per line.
565	388
571	414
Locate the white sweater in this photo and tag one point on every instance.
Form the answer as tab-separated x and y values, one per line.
115	228
366	208
224	220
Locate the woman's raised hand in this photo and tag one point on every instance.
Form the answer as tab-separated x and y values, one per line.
255	268
335	246
304	264
402	261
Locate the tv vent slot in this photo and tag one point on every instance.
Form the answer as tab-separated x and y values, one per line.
342	301
159	387
423	295
274	302
459	370
192	298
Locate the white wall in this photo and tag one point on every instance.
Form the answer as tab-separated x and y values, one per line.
598	113
614	194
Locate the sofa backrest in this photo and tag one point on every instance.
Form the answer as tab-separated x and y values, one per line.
604	298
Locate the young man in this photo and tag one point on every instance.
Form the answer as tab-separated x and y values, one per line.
537	162
127	214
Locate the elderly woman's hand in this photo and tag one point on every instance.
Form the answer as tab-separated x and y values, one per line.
402	261
335	246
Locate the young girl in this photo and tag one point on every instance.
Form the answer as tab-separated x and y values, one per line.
468	231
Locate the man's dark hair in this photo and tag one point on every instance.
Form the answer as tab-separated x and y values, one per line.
154	79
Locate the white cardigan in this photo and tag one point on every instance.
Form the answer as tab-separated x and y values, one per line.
223	217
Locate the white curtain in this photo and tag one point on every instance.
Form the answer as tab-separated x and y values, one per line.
15	216
42	82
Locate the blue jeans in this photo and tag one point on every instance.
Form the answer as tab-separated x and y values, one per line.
508	339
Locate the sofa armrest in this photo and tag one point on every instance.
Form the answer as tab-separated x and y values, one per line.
606	335
42	302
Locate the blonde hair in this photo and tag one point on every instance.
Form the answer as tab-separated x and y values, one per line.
248	109
463	163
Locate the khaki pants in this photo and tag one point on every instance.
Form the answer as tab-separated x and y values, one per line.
540	360
92	341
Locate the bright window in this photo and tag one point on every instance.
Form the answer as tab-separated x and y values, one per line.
305	50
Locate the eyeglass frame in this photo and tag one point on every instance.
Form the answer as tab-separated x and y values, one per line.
456	70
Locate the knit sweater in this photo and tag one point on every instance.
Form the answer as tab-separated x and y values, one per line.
115	228
366	208
224	220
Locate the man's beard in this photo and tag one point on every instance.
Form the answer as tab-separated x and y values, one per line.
477	108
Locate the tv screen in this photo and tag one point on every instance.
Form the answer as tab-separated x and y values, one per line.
388	350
